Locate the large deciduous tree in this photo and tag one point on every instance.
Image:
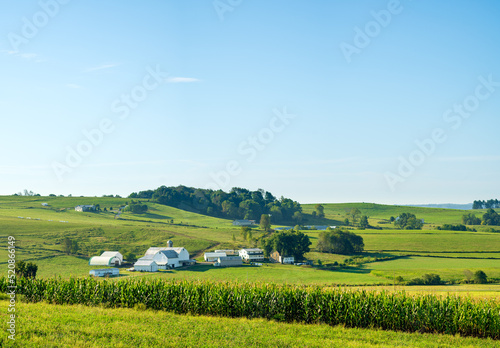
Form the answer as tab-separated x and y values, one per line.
340	242
288	243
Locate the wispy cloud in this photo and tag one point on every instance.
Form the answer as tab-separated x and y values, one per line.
181	80
470	159
100	67
72	85
26	56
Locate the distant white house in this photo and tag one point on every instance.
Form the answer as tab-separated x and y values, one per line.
103	272
276	257
83	208
244	222
45	204
107	258
252	254
145	266
166	257
211	257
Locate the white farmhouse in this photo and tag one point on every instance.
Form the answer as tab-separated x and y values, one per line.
107	258
252	254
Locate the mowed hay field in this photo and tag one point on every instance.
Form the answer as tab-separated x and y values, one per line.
39	239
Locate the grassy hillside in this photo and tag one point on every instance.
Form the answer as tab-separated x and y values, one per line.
380	214
44	325
40	238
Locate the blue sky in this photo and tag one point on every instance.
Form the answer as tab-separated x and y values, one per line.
392	102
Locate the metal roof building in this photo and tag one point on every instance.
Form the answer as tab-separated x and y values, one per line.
145	265
103	272
210	257
107	258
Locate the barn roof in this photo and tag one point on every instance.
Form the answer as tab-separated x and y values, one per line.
111	254
144	262
101	260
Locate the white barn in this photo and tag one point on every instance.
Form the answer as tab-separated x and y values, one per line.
211	257
145	265
107	258
252	254
103	272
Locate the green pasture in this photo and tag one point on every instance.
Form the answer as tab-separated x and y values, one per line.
446	268
50	326
41	241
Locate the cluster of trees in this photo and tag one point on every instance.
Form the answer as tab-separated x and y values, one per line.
489	204
478	277
355	218
26	269
137	208
491	218
408	221
340	242
239	203
470	219
288	243
319	211
27	193
427	279
458	227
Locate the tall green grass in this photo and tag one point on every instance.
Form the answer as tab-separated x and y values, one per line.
363	309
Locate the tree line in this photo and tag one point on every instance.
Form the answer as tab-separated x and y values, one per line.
239	203
489	204
491	218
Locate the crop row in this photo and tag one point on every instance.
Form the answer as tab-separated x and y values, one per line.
385	310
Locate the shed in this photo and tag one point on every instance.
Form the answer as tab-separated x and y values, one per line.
145	265
230	261
105	272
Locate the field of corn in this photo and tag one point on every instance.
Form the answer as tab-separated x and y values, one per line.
362	309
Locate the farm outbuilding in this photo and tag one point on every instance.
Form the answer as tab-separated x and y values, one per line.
82	208
228	252
107	258
229	261
105	272
244	222
276	257
211	257
143	265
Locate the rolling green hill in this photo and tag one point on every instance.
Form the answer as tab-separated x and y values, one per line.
40	232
